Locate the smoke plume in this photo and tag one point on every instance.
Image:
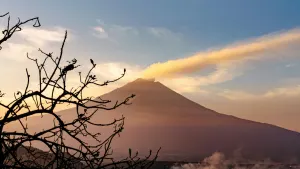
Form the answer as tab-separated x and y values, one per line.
248	49
218	161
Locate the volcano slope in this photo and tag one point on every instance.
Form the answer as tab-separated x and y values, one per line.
160	117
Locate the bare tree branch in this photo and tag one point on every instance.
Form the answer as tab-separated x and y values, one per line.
10	30
61	154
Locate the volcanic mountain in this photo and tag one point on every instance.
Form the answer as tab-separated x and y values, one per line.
160	117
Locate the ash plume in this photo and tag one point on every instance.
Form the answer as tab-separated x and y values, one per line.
248	49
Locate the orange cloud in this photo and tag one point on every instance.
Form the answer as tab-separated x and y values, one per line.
247	49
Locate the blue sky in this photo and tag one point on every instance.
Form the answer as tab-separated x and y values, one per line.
138	33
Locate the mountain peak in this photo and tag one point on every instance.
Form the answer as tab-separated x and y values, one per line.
143	83
160	96
146	85
138	80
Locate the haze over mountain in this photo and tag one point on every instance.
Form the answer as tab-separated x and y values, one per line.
160	117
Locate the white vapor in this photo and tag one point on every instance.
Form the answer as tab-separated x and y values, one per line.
218	161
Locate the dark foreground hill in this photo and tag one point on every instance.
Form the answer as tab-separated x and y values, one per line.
160	117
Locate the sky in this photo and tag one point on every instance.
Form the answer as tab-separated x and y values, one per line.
263	86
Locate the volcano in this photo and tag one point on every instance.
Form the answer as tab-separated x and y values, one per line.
160	117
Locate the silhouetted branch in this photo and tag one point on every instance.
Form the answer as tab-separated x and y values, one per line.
53	91
10	30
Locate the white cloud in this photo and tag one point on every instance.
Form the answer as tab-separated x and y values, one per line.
283	91
40	37
124	29
164	33
16	51
237	95
104	72
114	70
112	32
99	29
115	32
290	91
290	65
30	39
100	32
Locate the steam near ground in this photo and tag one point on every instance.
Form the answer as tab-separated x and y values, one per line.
218	161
